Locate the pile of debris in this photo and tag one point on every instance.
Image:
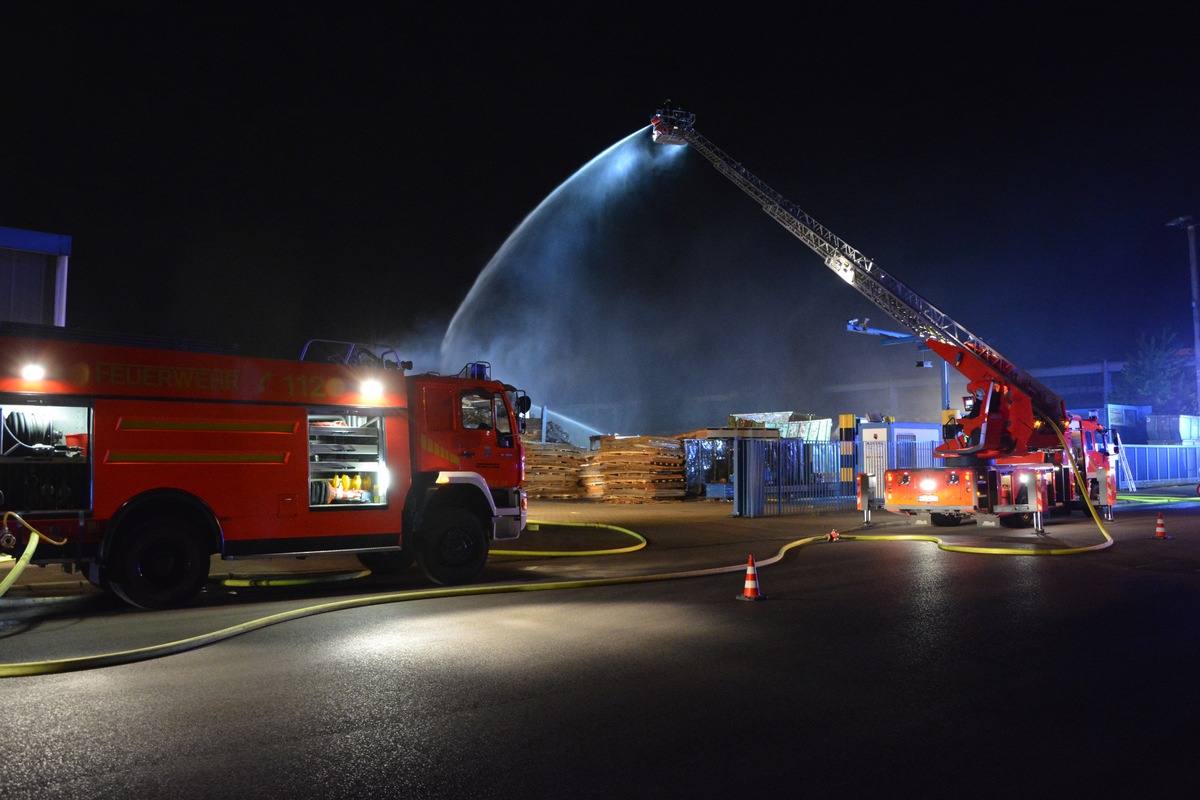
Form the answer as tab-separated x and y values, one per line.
552	470
634	469
790	424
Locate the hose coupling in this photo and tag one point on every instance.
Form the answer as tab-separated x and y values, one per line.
7	540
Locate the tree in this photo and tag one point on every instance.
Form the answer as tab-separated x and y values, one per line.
1159	374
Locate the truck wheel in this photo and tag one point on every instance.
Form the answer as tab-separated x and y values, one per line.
1017	520
387	563
161	563
945	520
451	546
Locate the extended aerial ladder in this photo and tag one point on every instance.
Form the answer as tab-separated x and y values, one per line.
1014	416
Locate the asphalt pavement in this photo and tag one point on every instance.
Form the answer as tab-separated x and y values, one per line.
679	531
873	669
680	536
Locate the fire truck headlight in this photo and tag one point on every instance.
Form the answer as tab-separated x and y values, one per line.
928	484
33	372
371	390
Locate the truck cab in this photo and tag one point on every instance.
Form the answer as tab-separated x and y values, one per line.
469	424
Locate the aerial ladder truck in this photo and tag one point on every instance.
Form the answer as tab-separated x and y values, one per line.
1013	452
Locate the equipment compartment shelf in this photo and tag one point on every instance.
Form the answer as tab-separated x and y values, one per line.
341	453
368	431
367	450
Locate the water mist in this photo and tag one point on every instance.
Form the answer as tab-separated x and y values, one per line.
644	295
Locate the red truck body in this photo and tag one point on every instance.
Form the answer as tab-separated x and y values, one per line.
137	464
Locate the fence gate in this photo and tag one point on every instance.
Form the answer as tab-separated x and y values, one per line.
774	477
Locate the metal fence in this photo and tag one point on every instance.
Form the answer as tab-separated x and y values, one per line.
875	457
1158	465
776	477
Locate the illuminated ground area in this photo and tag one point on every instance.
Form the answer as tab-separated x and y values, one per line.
871	668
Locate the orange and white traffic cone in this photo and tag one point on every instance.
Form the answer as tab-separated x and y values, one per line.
1160	530
751	590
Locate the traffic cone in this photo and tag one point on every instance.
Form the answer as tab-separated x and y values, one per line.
751	590
1160	530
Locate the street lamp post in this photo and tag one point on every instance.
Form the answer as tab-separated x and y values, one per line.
1186	222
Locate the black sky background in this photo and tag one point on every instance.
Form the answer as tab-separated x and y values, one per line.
264	173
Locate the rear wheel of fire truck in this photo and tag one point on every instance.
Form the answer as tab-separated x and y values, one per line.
387	563
945	520
1017	520
451	546
160	563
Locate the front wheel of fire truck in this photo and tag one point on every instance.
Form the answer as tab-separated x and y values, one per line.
160	563
452	546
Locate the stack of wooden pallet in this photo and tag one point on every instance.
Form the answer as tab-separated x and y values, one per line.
634	469
552	470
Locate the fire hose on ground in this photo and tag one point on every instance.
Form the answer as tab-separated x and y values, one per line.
27	554
1010	551
533	524
194	642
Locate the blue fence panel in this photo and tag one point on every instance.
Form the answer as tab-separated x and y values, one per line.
1159	465
775	477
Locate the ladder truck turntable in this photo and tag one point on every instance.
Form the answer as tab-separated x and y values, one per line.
1013	453
136	464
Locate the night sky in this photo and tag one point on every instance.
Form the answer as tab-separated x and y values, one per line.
264	173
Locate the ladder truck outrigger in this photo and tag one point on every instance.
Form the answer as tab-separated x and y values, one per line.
1013	452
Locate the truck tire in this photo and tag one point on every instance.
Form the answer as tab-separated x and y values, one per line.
160	563
452	546
945	520
387	563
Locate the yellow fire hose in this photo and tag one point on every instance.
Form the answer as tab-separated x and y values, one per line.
1011	551
533	524
191	643
1155	499
202	640
30	547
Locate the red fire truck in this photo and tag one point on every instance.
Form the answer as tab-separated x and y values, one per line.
138	463
1015	452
